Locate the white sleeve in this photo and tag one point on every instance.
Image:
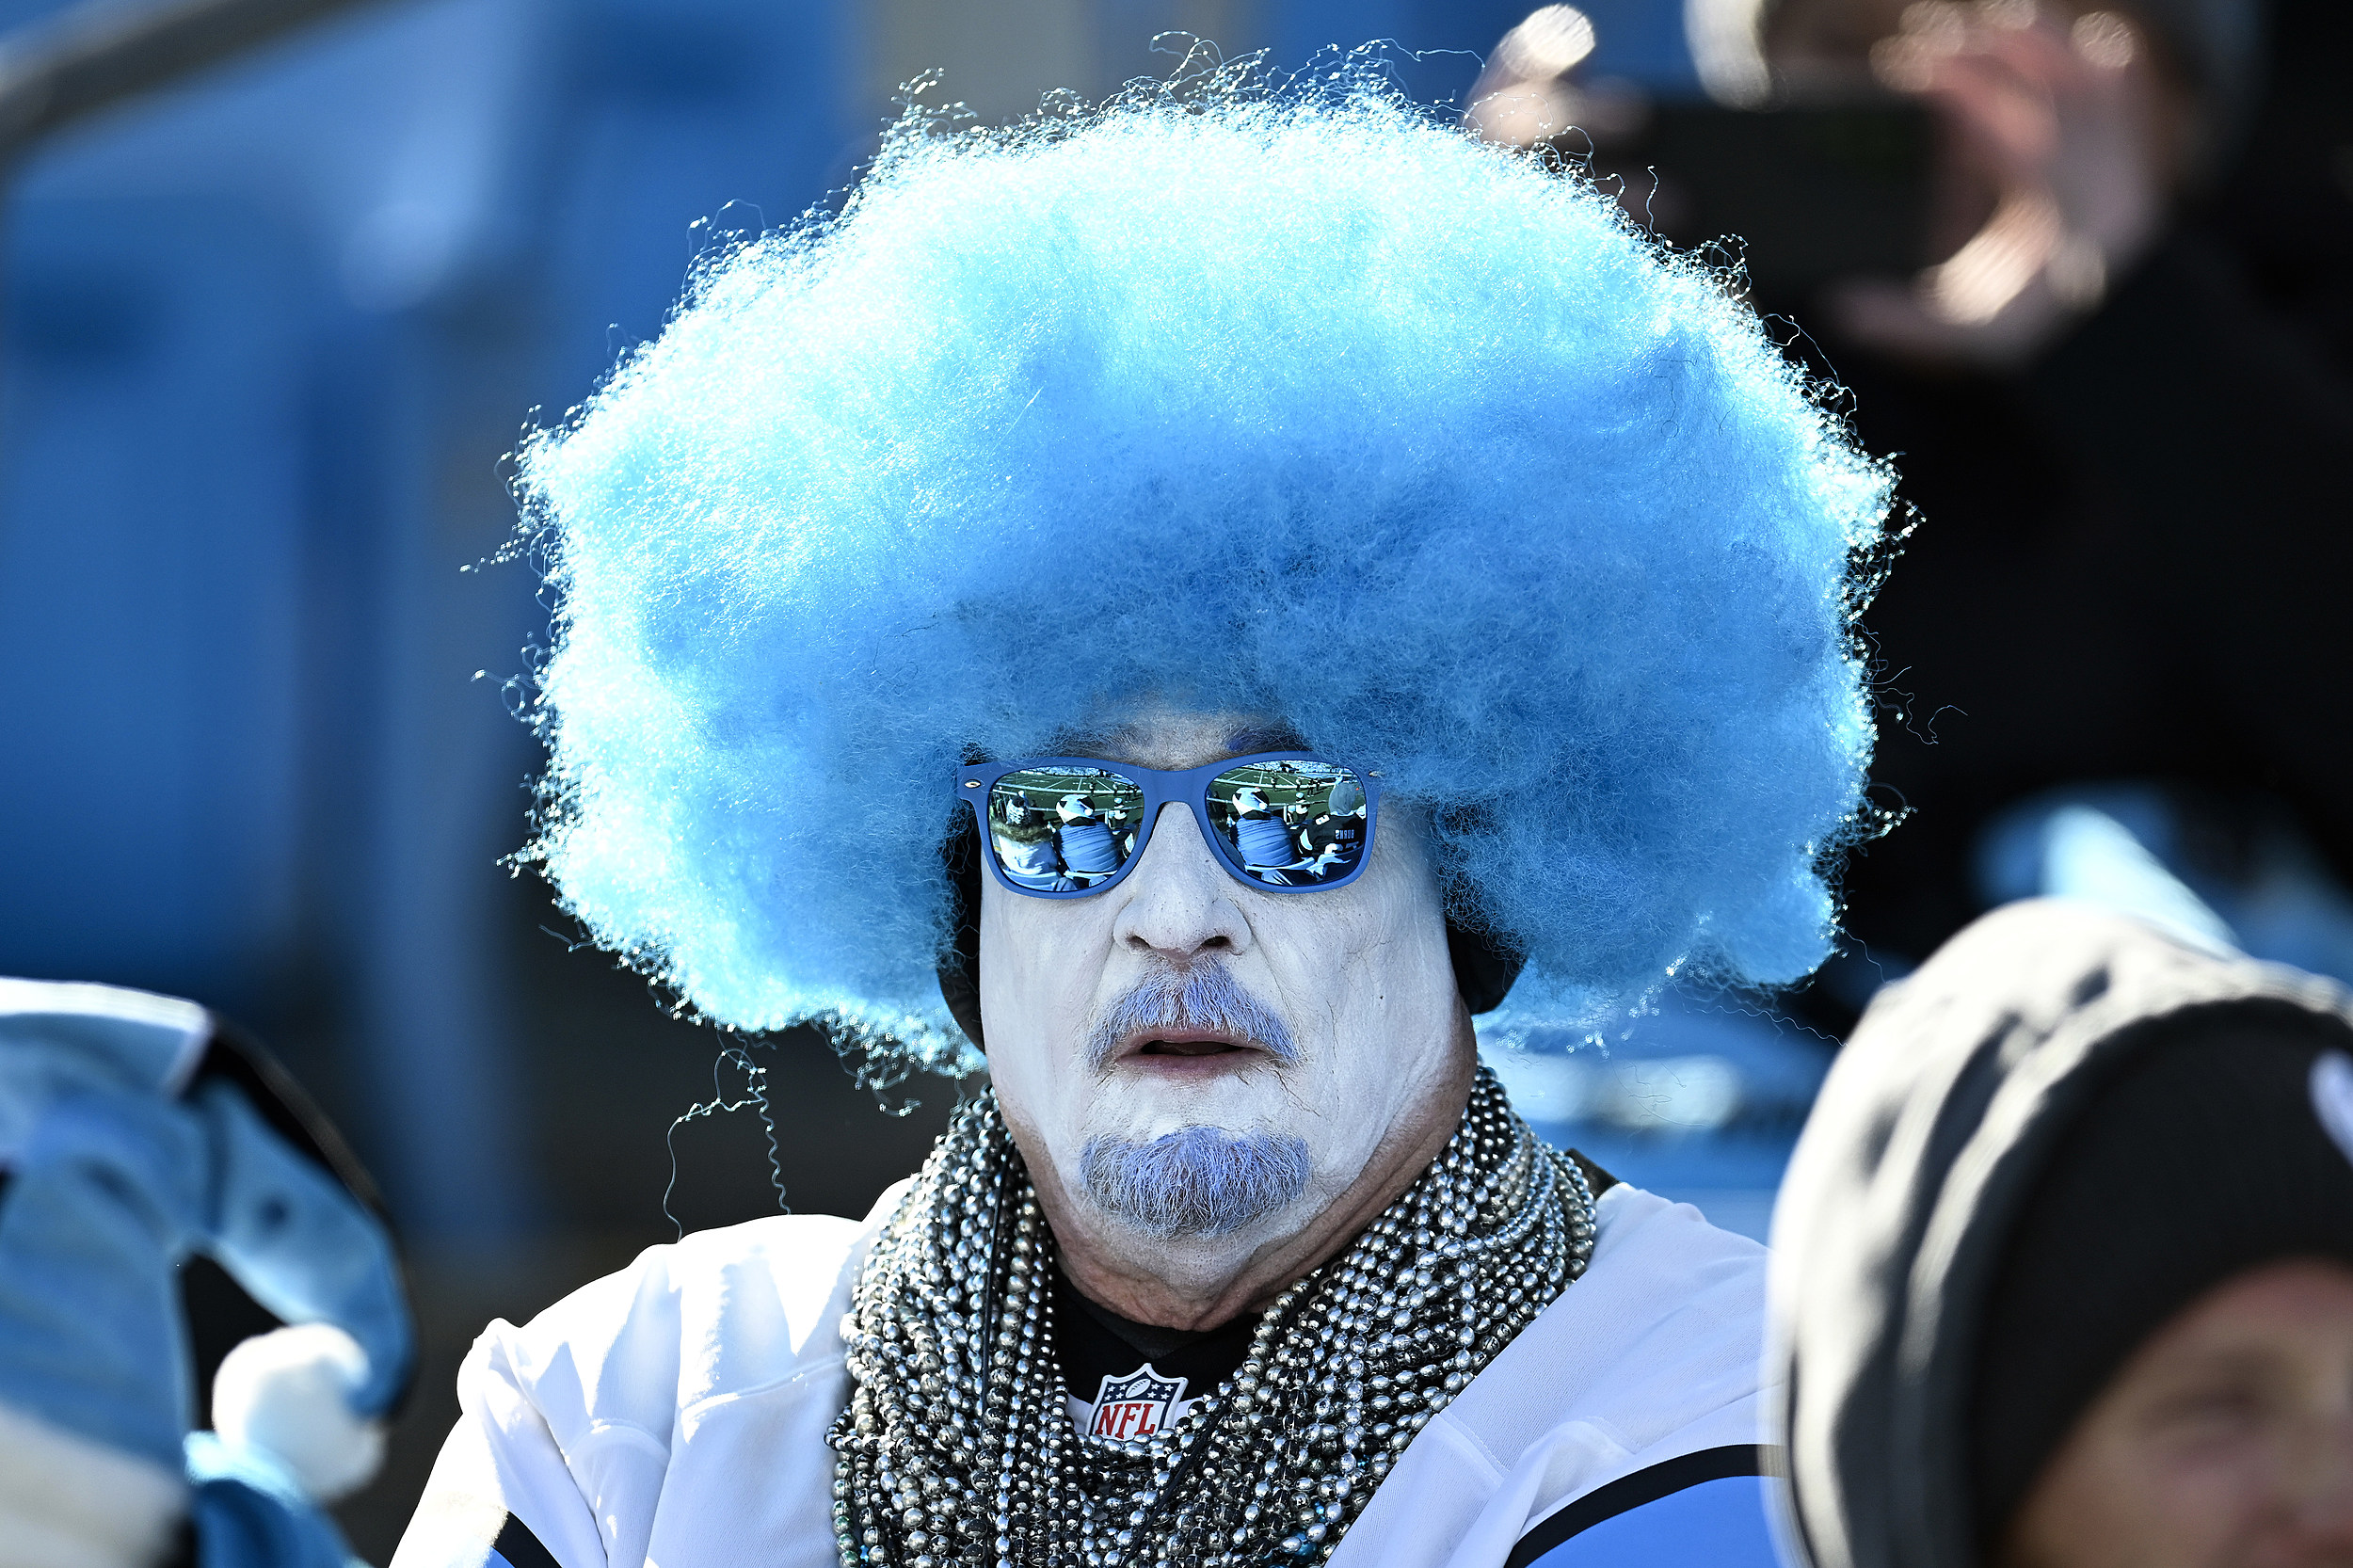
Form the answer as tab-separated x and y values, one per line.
500	1485
667	1409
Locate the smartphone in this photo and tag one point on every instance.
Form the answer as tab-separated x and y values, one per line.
1806	194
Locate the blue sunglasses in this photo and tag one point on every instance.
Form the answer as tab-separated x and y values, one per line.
1282	822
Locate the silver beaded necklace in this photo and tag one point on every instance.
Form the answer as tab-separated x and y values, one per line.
957	1446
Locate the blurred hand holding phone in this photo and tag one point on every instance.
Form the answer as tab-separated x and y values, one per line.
1952	183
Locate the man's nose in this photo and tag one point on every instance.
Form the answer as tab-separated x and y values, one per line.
1179	902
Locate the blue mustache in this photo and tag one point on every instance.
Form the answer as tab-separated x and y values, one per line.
1204	996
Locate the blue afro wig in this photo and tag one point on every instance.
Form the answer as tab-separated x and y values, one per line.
1285	402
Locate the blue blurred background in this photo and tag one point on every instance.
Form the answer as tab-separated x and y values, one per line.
267	338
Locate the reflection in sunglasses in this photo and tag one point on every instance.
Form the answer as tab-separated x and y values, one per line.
1285	825
1290	824
1063	830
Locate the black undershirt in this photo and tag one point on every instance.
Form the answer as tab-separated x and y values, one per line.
1094	1342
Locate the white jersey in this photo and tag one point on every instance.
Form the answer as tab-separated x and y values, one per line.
674	1415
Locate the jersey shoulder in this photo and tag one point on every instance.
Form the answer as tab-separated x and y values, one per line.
1665	1328
1637	1389
721	1313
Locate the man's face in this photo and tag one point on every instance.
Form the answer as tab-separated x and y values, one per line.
1186	1056
2225	1442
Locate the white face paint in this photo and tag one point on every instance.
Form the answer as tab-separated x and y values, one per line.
1358	976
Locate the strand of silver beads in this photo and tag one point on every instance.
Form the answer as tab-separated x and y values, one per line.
957	1446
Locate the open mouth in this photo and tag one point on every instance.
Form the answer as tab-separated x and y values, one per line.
1192	1023
1189	1050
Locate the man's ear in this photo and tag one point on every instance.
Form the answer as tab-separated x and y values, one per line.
960	965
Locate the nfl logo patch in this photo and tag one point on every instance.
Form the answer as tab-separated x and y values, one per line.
1137	1406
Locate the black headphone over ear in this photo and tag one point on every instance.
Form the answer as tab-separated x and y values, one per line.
1484	967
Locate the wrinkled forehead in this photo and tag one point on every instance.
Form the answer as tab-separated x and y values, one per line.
1157	736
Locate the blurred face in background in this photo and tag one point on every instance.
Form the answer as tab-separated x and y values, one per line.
2003	77
2225	1441
2065	136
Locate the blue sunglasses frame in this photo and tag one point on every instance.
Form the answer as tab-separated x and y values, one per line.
1162	788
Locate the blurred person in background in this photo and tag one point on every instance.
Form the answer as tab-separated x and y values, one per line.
1242	1256
2119	397
2063	1267
2130	562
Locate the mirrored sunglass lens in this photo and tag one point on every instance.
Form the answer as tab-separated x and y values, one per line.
1291	825
1063	830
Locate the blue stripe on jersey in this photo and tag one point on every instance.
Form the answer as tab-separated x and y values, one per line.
1706	1508
1717	1524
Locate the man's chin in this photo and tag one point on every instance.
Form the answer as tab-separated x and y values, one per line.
1199	1181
